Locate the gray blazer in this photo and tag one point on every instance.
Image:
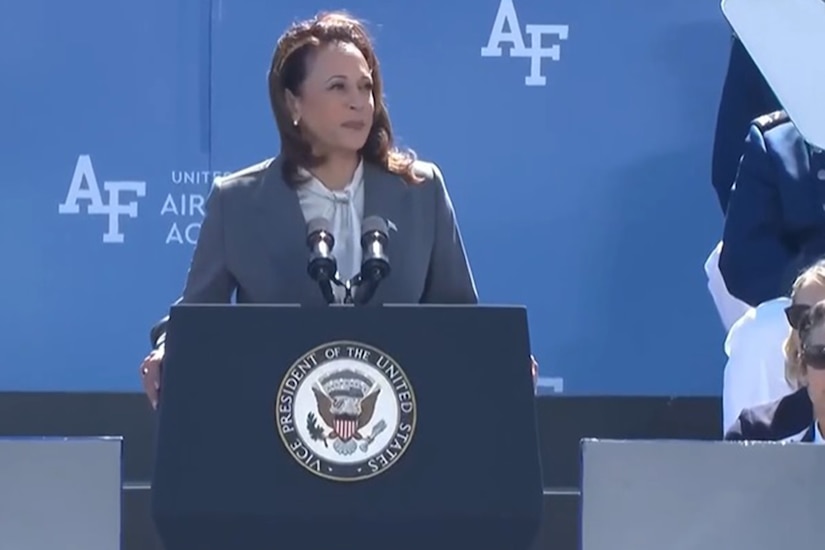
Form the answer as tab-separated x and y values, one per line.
252	243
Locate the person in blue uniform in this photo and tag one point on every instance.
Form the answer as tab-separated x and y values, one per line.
775	224
799	416
745	96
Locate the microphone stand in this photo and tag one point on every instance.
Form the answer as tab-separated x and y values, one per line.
326	289
360	289
350	288
375	266
347	285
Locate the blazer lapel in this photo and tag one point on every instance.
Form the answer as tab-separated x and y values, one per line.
283	232
384	195
808	437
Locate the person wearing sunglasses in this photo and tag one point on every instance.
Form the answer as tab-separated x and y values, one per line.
799	416
763	358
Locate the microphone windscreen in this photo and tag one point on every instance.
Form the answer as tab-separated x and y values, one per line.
318	224
373	224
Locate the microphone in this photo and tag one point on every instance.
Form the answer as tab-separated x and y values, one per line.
375	266
322	266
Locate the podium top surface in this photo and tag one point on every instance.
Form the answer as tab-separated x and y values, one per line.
696	495
351	307
68	439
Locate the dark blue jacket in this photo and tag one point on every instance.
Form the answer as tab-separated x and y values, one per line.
789	418
745	96
775	224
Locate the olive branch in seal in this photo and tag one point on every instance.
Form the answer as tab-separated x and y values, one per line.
316	432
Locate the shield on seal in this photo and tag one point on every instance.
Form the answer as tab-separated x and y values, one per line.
345	427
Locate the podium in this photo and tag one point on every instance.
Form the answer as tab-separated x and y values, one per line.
379	427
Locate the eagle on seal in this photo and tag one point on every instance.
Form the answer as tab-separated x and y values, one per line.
345	414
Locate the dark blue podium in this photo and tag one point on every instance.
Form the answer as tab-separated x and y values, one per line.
393	427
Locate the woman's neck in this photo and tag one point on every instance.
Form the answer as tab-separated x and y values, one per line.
336	173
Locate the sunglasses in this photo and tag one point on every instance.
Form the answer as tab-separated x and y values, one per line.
814	356
795	314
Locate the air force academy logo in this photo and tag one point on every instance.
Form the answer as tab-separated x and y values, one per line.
507	30
113	208
346	411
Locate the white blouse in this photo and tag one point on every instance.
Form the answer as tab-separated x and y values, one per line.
345	211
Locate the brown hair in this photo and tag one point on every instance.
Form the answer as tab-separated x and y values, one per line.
294	52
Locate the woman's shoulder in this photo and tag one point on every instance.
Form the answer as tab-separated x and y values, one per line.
245	178
774	421
421	176
781	138
424	171
427	170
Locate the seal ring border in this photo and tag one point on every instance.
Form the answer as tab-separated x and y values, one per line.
373	349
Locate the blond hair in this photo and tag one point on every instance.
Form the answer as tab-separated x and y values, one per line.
794	367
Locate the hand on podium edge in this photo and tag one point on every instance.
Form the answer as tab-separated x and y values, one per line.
150	374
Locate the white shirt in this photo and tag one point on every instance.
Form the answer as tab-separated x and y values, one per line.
730	308
345	211
818	439
755	369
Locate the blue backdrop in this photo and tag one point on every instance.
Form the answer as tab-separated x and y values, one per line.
592	174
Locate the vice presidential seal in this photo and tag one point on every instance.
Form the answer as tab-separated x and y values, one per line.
346	411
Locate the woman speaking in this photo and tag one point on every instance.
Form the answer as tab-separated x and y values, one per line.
338	162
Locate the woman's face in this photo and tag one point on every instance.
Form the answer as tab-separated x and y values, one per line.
814	359
804	297
335	105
